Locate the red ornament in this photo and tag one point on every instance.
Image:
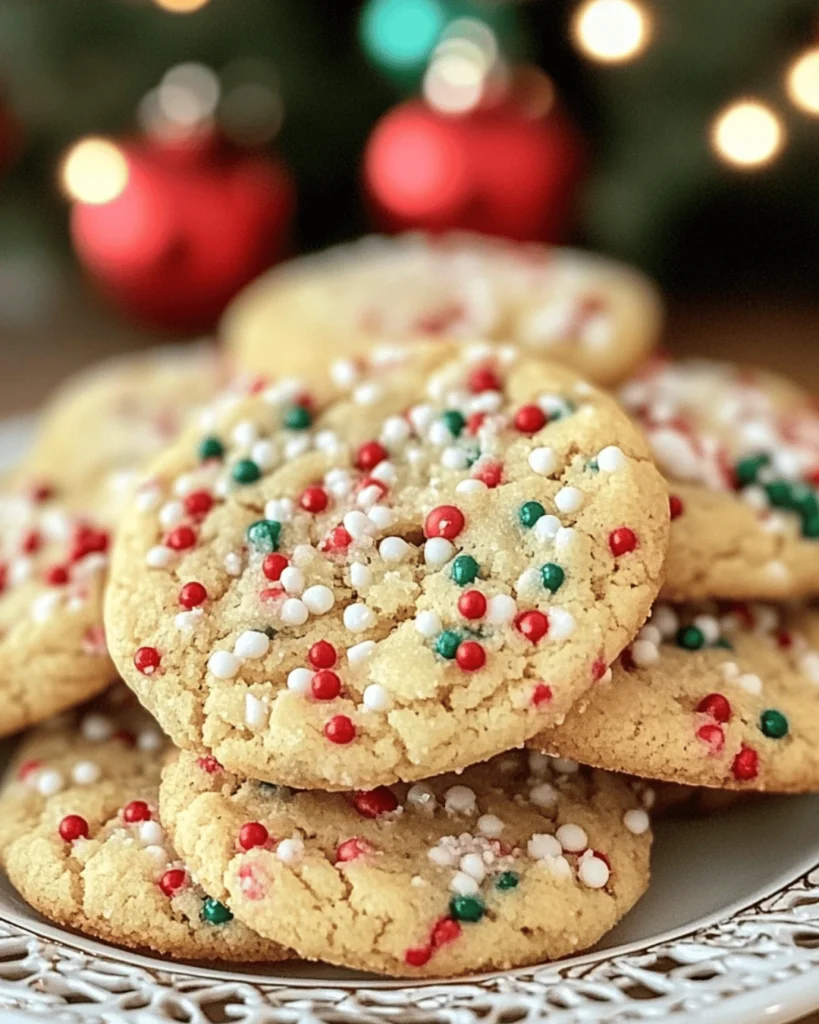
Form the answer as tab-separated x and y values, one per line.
194	222
252	833
340	730
502	169
533	625
136	810
715	705
472	604
622	541
322	654
73	827
746	764
371	802
325	684
470	656
146	660
172	881
314	499
192	595
444	521
273	566
369	455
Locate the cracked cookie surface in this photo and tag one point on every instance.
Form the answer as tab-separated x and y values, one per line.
715	696
740	450
512	862
464	550
593	314
81	841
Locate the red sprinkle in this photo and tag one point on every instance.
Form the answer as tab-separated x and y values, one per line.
125	736
27	768
56	576
444	931
339	539
252	833
87	541
41	491
322	655
533	625
136	810
444	521
542	695
369	455
172	881
675	506
622	541
353	848
746	764
314	499
490	473
483	378
474	422
146	660
209	764
73	827
470	656
325	684
371	802
32	542
472	604
715	705
598	670
198	504
529	419
418	957
180	538
340	730
713	736
192	595
273	566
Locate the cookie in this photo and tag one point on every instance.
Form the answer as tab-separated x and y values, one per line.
81	841
590	313
740	449
706	696
510	863
52	574
460	558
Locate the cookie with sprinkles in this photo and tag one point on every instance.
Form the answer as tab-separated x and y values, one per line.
52	643
81	841
513	862
459	557
104	423
740	450
593	314
708	696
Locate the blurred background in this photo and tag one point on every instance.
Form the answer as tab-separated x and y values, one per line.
155	155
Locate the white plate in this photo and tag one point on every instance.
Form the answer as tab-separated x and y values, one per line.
728	934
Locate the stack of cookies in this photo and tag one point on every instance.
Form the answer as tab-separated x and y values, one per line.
384	598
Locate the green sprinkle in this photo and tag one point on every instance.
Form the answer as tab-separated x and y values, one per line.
690	638
507	880
593	465
773	724
464	570
747	470
552	576
211	448
466	908
263	535
810	525
297	417
215	912
448	643
246	472
454	421
724	643
529	513
779	494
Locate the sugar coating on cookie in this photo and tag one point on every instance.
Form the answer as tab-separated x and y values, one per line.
52	643
740	449
455	557
724	696
515	861
81	840
591	313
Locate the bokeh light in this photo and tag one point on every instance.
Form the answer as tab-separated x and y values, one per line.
180	6
94	170
747	134
611	31
400	33
802	82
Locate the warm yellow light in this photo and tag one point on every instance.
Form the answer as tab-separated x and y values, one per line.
747	134
611	31
803	82
94	171
180	6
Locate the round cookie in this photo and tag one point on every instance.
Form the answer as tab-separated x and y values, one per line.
81	841
460	558
105	422
740	449
593	314
52	574
510	863
707	696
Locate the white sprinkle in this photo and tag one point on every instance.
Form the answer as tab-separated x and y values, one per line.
49	782
569	499
318	599
294	612
543	795
233	564
564	765
442	856
84	773
299	679
565	540
750	683
255	711
420	797
593	872
636	821
809	666
368	496
543	461
377	698
709	627
171	514
360	652
358	617
500	609
572	838
150	832
547	528
541	846
644	652
344	373
420	416
292	579
463	884
366	394
665	619
470	486
159	557
96	728
472	864
244	434
148	499
303	555
295	446
529	583
439	434
428	624
223	664
382	516
385	471
186	622
454	458
251	644
150	740
394	431
651	634
559	867
561	624
438	551
290	851
263	453
611	458
490	825
361	576
460	800
358	524
280	510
